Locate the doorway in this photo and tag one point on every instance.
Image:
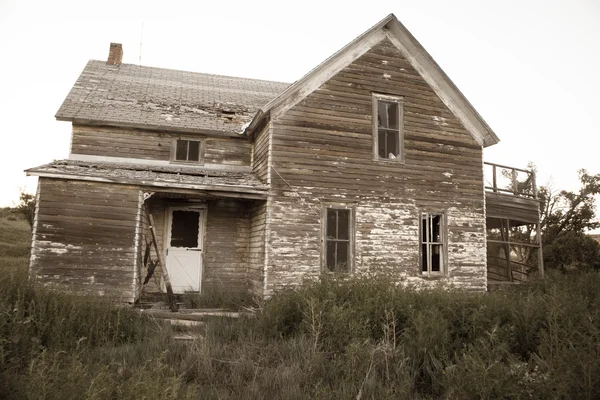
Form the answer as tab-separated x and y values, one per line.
184	242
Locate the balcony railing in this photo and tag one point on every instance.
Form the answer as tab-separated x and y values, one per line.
509	180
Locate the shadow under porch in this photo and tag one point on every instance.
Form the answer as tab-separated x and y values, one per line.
207	243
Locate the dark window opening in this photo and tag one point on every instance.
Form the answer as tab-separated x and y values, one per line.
184	229
337	240
432	246
187	150
388	130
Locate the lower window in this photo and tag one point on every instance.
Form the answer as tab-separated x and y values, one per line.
338	239
432	243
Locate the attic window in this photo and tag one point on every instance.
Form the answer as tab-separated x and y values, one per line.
187	150
388	135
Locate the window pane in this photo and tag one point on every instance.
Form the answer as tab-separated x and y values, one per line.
331	223
382	115
184	229
331	253
436	258
392	109
343	224
424	257
342	257
381	142
435	226
194	150
181	151
392	145
424	228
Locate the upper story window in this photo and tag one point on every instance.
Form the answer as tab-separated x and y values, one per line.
338	243
187	151
433	248
388	135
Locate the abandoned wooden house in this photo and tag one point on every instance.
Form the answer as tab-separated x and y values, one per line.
370	163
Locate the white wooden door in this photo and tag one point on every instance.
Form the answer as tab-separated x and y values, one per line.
184	248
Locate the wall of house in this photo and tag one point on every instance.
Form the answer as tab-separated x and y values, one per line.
84	237
104	141
226	245
260	153
256	247
322	153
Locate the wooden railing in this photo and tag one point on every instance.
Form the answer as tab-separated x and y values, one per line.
509	180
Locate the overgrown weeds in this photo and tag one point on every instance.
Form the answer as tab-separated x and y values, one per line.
218	297
359	338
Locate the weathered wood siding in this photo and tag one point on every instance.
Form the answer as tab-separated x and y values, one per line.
148	145
256	247
515	208
323	149
260	153
85	237
226	246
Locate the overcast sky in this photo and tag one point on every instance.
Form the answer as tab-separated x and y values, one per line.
531	68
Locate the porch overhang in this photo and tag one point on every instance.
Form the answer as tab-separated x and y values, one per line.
177	179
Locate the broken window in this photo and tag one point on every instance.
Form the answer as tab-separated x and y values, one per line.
187	150
338	239
185	229
432	243
387	130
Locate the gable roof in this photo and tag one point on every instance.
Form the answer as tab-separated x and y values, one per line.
129	95
412	50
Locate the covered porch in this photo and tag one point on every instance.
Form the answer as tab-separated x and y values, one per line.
514	250
198	242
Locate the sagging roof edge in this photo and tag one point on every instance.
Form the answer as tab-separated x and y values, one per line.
240	191
421	60
149	127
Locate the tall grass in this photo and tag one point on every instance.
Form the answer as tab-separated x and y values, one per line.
360	338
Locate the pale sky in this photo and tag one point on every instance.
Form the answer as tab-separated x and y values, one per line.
531	68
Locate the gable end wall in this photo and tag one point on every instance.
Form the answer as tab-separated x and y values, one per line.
322	152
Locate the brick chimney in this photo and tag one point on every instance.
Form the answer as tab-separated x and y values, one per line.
115	55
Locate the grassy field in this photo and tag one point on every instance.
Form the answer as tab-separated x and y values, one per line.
358	339
15	240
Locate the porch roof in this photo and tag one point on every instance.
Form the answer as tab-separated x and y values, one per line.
237	184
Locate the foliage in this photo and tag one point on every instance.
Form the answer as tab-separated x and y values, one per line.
26	207
218	297
572	250
565	218
360	338
569	211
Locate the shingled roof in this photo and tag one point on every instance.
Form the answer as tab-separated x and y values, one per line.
165	99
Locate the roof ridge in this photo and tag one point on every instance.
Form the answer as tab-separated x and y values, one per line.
190	72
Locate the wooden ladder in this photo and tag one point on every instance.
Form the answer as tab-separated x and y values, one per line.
160	261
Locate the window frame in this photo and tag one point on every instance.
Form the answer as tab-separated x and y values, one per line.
443	243
201	147
376	98
351	236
